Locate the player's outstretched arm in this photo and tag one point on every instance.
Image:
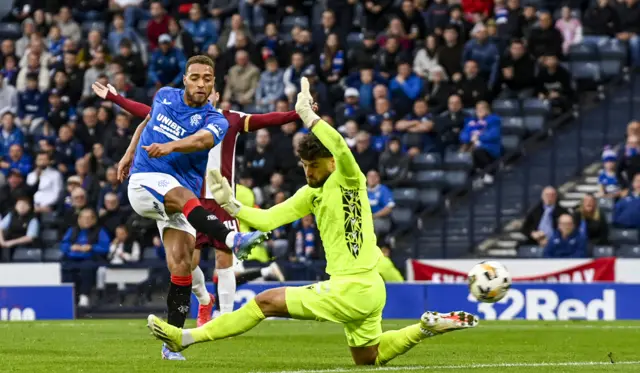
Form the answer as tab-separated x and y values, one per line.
334	142
286	212
109	93
201	140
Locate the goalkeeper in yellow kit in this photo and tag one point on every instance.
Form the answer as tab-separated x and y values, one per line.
355	294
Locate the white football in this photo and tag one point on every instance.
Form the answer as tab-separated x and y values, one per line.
489	281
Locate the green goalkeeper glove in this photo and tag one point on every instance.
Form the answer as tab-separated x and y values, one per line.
303	105
222	192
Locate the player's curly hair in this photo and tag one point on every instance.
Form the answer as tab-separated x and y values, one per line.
201	60
310	148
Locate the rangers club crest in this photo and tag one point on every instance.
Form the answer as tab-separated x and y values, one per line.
195	119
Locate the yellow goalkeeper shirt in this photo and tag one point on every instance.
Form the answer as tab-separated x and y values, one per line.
341	208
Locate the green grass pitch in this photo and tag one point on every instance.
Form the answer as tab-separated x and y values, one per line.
306	347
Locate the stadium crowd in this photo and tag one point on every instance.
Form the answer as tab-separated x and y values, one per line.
399	79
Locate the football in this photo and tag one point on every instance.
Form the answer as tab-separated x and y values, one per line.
489	281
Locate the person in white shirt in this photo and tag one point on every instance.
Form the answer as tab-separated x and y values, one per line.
8	97
49	184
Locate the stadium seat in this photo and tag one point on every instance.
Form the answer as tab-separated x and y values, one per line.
510	143
49	237
87	26
430	200
10	31
52	254
605	204
429	179
289	22
611	68
406	197
149	253
456	180
534	106
623	236
603	251
382	226
534	123
142	26
426	161
354	39
506	107
530	251
454	160
49	219
629	251
402	218
411	140
612	51
586	71
583	52
31	254
513	126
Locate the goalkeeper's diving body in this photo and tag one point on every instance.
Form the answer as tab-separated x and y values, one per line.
355	294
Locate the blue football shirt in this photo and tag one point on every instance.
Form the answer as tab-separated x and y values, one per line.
172	119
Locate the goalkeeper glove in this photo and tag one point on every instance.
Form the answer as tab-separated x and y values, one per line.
222	192
303	104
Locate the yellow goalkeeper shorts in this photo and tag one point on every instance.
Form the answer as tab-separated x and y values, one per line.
355	301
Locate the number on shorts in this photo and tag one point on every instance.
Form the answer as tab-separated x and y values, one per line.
231	224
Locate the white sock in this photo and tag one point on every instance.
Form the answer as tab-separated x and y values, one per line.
265	272
226	289
198	287
230	238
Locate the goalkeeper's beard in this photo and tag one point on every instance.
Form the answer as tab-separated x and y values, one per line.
313	183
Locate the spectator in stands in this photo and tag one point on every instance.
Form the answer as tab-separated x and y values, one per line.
293	74
609	185
9	72
419	121
518	72
272	45
48	183
75	76
31	105
119	32
459	22
111	215
626	213
426	58
112	185
591	221
481	136
437	17
472	87
89	131
223	9
19	228
117	139
332	61
394	165
326	27
628	161
16	160
405	87
570	28
412	20
375	12
166	65
54	44
202	30
545	40
270	86
242	81
86	243
8	96
600	20
306	240
396	30
68	27
554	84
484	53
230	33
629	15
34	71
449	124
158	25
261	159
365	155
381	202
98	69
359	57
59	113
270	191
10	134
7	48
439	90
77	202
383	111
28	29
67	150
95	44
389	57
567	241
182	39
123	249
90	183
541	221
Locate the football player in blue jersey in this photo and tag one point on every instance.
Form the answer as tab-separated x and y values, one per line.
166	175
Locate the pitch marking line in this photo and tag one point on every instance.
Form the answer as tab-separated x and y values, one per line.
468	366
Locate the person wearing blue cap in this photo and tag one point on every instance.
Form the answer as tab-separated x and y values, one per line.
607	179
